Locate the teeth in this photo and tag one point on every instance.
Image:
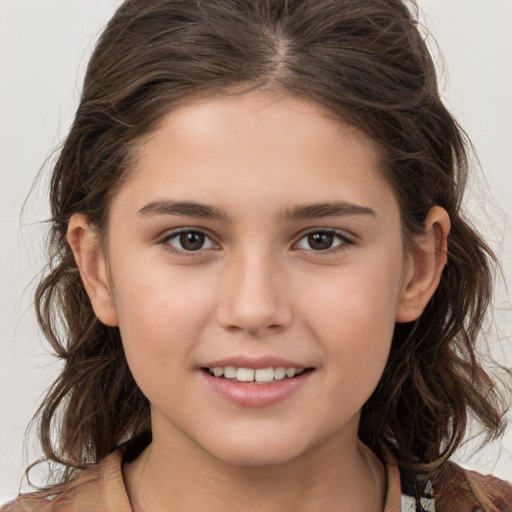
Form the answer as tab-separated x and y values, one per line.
264	375
218	371
279	373
245	374
260	375
230	372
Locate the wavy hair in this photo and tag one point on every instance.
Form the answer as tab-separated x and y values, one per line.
367	62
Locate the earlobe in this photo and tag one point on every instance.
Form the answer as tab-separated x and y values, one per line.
428	258
90	260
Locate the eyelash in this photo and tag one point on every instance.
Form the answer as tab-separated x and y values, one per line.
183	252
345	241
340	235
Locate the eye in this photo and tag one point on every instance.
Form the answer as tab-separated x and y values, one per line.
189	241
323	240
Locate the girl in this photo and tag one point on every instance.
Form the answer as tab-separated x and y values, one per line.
263	287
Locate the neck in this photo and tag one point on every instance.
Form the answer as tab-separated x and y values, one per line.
339	475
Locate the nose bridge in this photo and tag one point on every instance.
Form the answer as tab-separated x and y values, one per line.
252	297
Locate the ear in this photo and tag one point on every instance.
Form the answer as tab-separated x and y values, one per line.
428	258
90	260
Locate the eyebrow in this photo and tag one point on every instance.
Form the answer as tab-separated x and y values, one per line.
184	208
297	212
327	209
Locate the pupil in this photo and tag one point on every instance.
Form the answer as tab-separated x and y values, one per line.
319	241
192	241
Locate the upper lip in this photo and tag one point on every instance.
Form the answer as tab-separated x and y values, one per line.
254	362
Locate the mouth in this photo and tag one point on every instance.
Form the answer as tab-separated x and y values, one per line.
255	375
256	382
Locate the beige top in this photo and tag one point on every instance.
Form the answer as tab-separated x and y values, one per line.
100	488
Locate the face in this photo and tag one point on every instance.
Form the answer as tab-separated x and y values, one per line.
256	269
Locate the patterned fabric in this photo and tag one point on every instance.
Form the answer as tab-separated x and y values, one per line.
101	488
409	504
408	486
460	490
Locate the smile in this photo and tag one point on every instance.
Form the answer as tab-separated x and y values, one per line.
256	387
258	376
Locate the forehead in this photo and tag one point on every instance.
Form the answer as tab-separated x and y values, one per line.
271	145
261	111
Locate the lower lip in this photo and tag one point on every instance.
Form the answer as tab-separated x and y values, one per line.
257	395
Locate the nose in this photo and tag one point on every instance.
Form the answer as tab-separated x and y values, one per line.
253	295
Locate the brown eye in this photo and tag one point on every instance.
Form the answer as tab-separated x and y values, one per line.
323	240
192	241
189	241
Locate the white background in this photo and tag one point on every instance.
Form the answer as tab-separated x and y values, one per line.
44	46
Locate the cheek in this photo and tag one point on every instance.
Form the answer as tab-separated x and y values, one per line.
360	330
354	315
161	313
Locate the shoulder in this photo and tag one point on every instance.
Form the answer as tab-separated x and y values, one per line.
99	487
460	490
59	498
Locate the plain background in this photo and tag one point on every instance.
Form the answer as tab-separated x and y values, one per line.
44	47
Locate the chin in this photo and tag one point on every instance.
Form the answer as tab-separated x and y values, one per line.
245	457
257	451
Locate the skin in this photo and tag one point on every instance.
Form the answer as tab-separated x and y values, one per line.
256	288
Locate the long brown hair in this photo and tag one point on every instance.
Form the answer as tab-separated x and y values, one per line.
368	63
